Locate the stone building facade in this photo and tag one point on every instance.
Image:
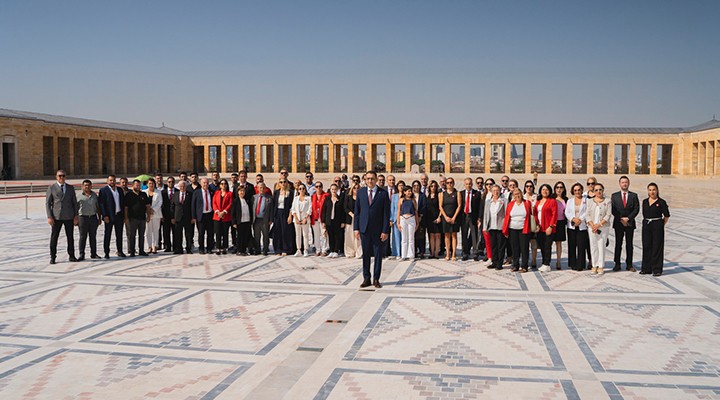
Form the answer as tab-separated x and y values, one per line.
35	145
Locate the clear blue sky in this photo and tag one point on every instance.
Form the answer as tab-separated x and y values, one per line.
202	65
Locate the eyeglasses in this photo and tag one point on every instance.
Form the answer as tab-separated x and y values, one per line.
488	184
308	176
597	190
559	187
529	186
283	173
283	182
61	176
591	183
504	180
318	186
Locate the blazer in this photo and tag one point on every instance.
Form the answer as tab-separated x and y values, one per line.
476	208
499	217
268	211
287	203
631	210
249	191
181	212
394	207
197	204
107	203
582	213
59	205
340	215
317	204
157	204
549	214
166	206
604	211
220	203
236	210
528	216
372	218
349	207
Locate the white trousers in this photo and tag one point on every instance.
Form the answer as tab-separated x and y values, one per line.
407	247
597	246
152	231
302	232
320	240
353	247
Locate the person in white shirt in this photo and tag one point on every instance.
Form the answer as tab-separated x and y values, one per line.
152	232
301	210
577	232
599	218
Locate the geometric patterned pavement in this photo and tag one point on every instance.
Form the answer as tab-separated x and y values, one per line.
228	327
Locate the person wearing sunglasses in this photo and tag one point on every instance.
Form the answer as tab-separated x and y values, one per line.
62	212
530	195
589	194
546	212
485	236
301	210
655	216
625	208
493	222
450	206
560	232
283	231
599	214
319	235
222	203
577	235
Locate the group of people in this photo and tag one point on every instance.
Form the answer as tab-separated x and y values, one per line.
367	217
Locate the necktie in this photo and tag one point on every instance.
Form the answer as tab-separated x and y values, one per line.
207	201
257	209
62	188
624	199
467	203
370	196
170	193
182	197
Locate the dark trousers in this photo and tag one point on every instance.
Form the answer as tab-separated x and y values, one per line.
520	243
335	236
653	241
233	235
116	225
578	244
244	237
88	227
205	232
183	228
168	232
136	227
55	235
626	232
221	234
544	243
508	250
372	246
420	241
261	227
283	233
469	232
497	243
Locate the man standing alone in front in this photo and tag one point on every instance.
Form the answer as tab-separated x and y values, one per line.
625	207
372	226
62	211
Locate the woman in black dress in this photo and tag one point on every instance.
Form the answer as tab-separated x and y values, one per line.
655	216
449	209
432	218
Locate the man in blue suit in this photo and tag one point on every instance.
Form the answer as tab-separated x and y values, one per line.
112	206
372	226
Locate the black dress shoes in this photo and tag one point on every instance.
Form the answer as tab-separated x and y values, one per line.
631	269
365	283
657	274
465	258
142	253
121	254
177	252
377	284
616	268
73	259
168	250
52	261
644	273
189	251
95	257
107	256
81	258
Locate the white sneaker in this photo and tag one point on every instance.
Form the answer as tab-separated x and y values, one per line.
307	254
298	254
359	256
544	268
487	263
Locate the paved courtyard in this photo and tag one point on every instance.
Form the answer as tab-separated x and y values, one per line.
228	327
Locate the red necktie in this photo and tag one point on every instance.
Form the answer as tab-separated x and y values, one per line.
370	196
182	197
467	203
171	194
207	201
624	199
257	209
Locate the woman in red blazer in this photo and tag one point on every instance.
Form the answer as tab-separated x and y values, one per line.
221	204
546	212
516	227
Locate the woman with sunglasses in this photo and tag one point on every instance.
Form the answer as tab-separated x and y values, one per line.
432	218
301	210
395	223
546	212
489	183
560	235
577	235
221	204
449	209
353	246
516	228
529	195
283	231
333	220
421	200
242	220
599	216
655	215
493	221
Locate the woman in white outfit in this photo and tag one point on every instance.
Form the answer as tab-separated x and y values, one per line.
599	219
301	209
408	218
152	232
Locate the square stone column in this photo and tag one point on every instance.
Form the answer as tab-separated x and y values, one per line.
86	160
590	158
569	158
488	158
653	158
547	157
632	158
351	159
611	158
508	157
467	158
527	155
428	156
408	158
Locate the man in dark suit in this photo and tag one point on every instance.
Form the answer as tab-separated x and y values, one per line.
167	227
471	206
62	211
625	207
249	193
182	218
112	208
160	187
372	226
202	215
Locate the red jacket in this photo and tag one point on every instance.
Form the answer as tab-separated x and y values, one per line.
317	205
528	210
549	214
222	203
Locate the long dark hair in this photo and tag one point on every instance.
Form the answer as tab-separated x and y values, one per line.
563	195
550	190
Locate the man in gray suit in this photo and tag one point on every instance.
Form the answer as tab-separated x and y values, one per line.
264	210
62	210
